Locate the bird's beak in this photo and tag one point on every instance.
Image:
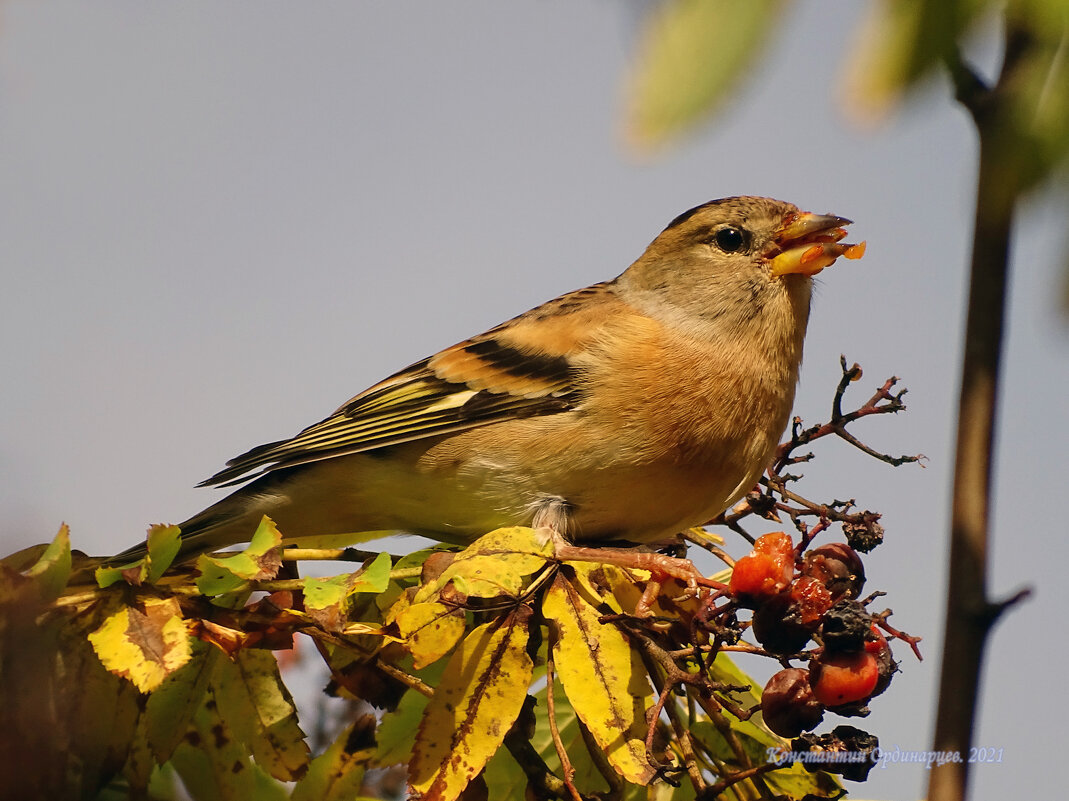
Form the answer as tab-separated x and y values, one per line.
807	243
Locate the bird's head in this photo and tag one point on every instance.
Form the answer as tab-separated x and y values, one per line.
737	265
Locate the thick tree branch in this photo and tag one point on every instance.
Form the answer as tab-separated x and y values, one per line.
969	613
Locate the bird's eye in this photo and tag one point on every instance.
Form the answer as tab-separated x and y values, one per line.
730	239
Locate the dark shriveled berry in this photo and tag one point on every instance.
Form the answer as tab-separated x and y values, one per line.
859	745
846	626
838	567
778	625
788	705
864	534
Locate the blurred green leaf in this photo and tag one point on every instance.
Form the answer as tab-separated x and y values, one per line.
587	777
793	781
397	731
51	571
1039	89
690	55
899	45
66	724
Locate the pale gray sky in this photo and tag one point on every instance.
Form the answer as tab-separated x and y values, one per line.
219	221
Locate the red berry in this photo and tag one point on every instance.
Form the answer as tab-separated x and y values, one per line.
777	543
758	576
811	598
842	678
881	649
766	570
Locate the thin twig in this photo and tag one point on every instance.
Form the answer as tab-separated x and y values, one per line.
567	769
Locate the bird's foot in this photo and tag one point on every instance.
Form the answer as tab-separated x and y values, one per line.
661	567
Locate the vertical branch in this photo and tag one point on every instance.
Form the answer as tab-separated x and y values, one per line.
969	614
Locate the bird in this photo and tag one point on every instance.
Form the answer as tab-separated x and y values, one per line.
626	411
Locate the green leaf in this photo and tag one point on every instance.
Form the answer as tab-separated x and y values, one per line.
216	578
261	560
163	545
106	576
320	593
258	707
417	558
215	766
794	781
330	601
338	773
690	56
170	708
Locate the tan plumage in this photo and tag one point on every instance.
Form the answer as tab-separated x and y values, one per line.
628	410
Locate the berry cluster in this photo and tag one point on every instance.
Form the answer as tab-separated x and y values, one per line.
798	598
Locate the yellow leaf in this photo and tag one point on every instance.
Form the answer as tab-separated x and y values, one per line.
430	631
354	629
603	678
257	706
495	564
475	704
607	584
226	639
144	646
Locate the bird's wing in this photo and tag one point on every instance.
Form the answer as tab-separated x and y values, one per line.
525	367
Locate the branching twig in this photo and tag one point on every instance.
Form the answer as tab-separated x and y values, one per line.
882	402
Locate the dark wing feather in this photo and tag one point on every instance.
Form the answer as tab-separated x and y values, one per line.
490	378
